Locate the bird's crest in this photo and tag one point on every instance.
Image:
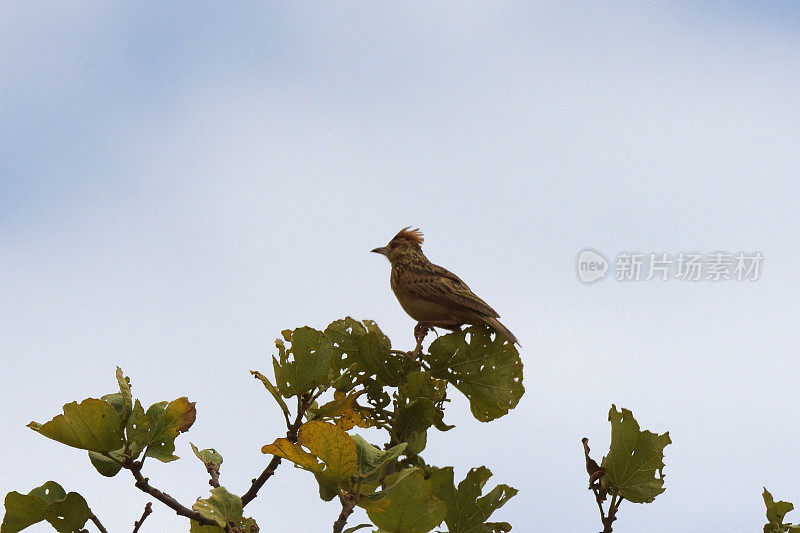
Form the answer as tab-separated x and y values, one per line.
413	235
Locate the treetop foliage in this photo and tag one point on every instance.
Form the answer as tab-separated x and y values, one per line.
327	384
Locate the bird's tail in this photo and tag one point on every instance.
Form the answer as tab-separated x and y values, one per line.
501	329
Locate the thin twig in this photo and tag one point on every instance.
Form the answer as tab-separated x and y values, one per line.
96	522
148	508
303	402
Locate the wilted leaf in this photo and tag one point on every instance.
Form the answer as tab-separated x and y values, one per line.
208	456
635	459
488	372
90	425
408	506
467	510
305	364
222	507
166	421
372	461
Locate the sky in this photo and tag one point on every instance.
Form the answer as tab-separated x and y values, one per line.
180	183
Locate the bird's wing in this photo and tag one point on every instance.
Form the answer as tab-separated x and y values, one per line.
439	285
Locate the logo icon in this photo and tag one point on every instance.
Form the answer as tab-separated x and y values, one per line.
592	266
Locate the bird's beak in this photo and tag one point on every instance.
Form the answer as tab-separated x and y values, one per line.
383	250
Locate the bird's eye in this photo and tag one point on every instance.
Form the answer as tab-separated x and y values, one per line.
392	245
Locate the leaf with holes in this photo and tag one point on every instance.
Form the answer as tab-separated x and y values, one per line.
467	510
331	444
482	365
305	364
283	447
166	421
635	459
408	505
364	351
65	512
222	507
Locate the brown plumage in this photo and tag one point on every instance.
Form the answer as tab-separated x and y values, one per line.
432	295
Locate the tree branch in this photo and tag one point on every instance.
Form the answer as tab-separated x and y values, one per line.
142	483
96	522
148	508
291	434
348	503
213	471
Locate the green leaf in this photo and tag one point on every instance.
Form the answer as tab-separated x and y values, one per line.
68	515
776	511
166	421
305	364
408	506
122	400
105	466
50	492
372	461
137	430
635	461
272	390
222	507
23	510
356	528
90	425
363	350
208	456
65	512
467	511
195	527
488	372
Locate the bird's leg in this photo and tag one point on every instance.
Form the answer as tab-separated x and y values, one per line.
420	331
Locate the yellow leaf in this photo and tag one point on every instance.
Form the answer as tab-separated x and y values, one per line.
294	453
331	444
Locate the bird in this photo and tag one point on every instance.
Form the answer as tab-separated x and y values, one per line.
432	295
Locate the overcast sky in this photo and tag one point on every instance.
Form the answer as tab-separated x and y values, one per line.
179	184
